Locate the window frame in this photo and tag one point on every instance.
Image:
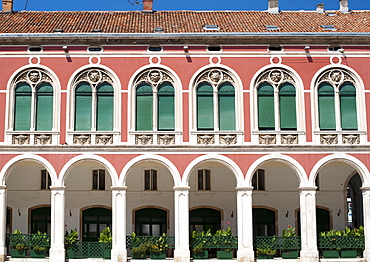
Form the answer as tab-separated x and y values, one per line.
205	187
48	181
255	182
96	182
153	185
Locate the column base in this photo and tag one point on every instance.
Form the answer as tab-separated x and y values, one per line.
246	255
309	256
119	255
181	255
57	254
366	255
3	254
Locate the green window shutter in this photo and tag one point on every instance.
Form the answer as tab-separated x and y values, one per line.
22	107
326	107
287	103
144	108
83	104
205	112
226	107
166	107
44	107
266	111
348	112
104	107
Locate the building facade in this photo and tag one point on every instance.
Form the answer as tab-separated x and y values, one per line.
173	121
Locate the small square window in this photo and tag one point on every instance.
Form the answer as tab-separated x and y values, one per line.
258	180
150	179
98	182
204	179
45	180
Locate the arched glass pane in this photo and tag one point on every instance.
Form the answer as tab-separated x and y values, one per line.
226	107
22	107
205	111
104	107
204	219
95	220
150	222
83	104
44	107
144	107
41	220
166	107
266	111
348	111
326	107
287	103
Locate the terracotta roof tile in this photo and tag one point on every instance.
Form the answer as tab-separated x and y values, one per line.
181	21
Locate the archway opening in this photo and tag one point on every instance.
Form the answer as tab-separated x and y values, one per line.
95	220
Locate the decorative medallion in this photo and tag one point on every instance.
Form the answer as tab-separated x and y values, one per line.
289	139
94	76
43	139
82	139
267	139
206	139
166	139
215	77
104	139
33	77
144	139
335	77
329	139
275	77
351	139
21	139
154	77
227	139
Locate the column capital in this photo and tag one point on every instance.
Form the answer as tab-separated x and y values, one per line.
365	189
119	188
244	188
308	188
3	187
55	188
181	188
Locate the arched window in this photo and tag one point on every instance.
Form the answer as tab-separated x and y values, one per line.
337	101
33	101
94	101
95	220
150	222
155	101
276	101
215	101
41	220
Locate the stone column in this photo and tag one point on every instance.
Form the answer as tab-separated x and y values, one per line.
182	252
366	208
245	224
3	209
119	251
57	252
309	252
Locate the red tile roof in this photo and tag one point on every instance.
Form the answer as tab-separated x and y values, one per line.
181	21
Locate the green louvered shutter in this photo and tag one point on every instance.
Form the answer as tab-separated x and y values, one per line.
144	108
348	112
205	120
104	107
44	107
166	107
22	107
226	107
266	111
83	104
287	103
326	107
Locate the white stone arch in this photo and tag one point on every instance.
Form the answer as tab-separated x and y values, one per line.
299	86
360	93
151	157
177	85
360	167
12	163
214	158
88	157
238	87
289	161
117	95
9	116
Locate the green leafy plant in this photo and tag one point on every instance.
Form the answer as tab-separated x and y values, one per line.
70	238
266	251
158	244
21	247
142	248
200	237
18	240
105	235
289	232
224	238
40	241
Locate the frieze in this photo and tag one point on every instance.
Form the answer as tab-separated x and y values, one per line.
104	139
267	139
206	139
166	139
329	139
22	139
227	139
144	139
81	139
43	139
351	139
289	139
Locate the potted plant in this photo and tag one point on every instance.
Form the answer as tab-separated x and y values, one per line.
290	244
18	244
352	242
199	242
138	247
328	242
70	242
39	243
265	253
158	247
106	239
223	238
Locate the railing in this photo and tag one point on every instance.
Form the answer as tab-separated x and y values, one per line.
341	242
215	242
91	249
136	241
28	240
272	242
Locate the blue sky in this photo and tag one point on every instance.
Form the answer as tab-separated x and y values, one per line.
50	5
